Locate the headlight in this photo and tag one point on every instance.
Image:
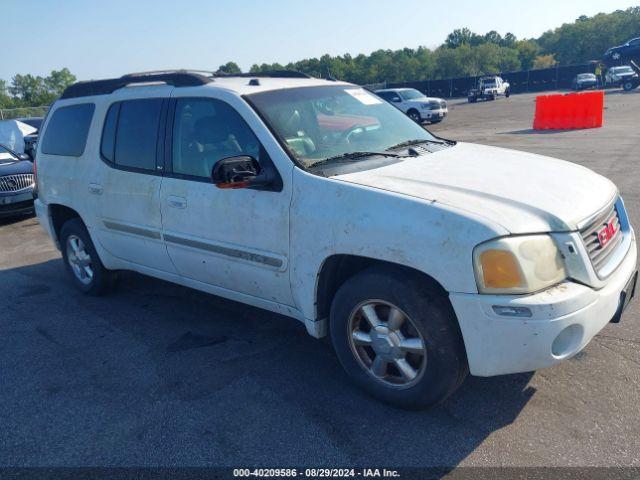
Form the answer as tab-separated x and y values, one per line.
521	264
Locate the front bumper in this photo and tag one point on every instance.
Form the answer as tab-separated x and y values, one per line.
16	204
564	319
431	115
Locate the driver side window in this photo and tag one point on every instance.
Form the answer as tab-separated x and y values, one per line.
206	130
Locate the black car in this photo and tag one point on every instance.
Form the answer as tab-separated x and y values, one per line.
31	140
17	182
628	51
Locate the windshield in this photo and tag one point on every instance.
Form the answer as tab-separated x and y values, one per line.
622	70
411	94
6	156
586	76
319	123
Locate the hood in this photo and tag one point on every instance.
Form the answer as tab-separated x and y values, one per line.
15	168
522	192
424	100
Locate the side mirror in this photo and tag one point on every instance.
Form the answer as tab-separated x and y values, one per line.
242	171
396	100
24	156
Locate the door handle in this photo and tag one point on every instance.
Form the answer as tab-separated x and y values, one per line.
95	189
177	202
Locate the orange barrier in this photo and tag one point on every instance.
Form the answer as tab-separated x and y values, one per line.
574	110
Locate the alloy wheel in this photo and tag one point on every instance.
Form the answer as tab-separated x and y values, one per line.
387	344
79	259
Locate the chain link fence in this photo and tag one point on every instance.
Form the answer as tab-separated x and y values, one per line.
23	112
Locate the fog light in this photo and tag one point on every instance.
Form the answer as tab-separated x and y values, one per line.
512	311
567	341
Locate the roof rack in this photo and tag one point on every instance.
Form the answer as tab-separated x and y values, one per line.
176	78
267	74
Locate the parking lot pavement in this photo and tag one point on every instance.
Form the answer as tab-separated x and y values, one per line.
157	374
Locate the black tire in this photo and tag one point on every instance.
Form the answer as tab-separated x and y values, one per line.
428	309
507	93
102	279
415	116
628	86
472	99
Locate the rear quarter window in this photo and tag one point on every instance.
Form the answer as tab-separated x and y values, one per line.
67	130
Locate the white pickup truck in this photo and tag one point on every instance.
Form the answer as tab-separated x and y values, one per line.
489	88
424	258
415	104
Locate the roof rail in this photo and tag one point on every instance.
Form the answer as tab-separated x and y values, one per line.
176	78
267	74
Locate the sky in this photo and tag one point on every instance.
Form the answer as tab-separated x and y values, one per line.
99	39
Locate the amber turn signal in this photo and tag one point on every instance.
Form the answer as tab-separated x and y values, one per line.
500	269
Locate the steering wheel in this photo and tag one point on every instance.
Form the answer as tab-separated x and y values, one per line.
355	130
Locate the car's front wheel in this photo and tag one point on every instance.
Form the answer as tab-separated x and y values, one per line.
397	337
81	259
415	116
627	86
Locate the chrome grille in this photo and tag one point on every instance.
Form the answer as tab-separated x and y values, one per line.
15	183
597	253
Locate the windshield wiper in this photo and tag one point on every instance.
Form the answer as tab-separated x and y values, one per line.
410	143
356	155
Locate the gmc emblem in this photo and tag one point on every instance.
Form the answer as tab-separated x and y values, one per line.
606	233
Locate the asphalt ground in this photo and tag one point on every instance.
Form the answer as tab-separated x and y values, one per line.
159	375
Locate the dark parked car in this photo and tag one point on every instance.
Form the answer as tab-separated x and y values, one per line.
30	141
628	51
584	81
16	183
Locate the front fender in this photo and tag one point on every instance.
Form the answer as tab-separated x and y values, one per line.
330	217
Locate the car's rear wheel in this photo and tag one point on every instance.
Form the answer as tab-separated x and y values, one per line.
627	86
415	116
398	338
81	259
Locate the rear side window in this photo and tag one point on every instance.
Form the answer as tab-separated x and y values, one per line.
130	134
67	131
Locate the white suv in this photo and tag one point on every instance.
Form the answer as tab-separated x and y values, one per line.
424	258
416	104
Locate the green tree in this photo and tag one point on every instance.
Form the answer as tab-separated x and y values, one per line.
589	37
230	68
29	89
459	37
544	61
527	52
465	53
493	37
58	81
